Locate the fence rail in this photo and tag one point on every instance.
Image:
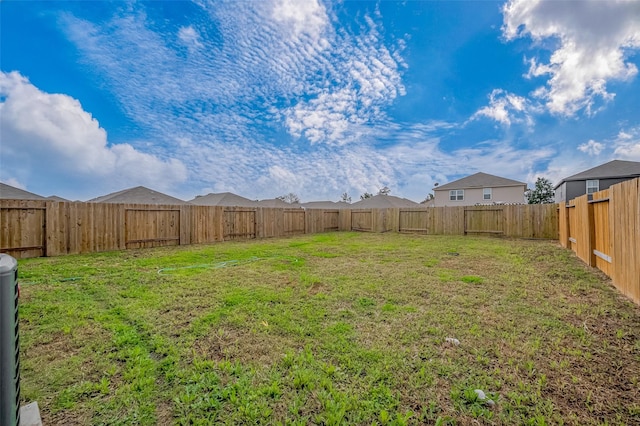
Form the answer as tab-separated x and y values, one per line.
605	233
50	228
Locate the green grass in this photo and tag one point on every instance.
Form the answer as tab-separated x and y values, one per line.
339	328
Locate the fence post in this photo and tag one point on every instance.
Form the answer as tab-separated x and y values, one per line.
563	225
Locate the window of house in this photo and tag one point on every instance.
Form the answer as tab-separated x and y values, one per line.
456	195
593	186
486	193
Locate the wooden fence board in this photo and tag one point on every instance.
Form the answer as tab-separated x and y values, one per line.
207	224
78	225
563	225
362	220
294	221
273	222
378	218
344	218
602	241
185	224
313	219
625	237
573	223
330	220
413	220
580	229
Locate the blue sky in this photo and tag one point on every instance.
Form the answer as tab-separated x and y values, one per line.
263	98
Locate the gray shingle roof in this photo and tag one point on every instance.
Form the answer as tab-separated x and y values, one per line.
277	203
612	169
137	195
223	199
56	198
480	180
324	205
383	201
8	192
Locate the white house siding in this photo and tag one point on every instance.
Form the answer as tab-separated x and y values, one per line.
473	196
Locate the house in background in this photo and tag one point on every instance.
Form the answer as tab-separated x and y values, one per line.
596	179
8	192
227	199
480	188
381	201
137	195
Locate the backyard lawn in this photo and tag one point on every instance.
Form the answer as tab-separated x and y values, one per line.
339	328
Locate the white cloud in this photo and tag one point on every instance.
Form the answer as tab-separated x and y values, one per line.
592	147
303	16
53	133
189	37
594	39
627	145
365	76
506	108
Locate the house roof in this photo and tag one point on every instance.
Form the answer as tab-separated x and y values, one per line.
8	192
428	203
56	198
479	180
277	203
222	199
325	205
137	195
612	169
383	201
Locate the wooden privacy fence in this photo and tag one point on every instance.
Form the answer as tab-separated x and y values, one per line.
49	228
605	233
519	221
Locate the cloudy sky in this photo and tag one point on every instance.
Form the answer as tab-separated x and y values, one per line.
263	98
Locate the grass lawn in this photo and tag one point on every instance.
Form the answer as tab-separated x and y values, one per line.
340	328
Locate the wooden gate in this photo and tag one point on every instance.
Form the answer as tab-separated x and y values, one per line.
413	221
22	229
483	221
239	224
151	227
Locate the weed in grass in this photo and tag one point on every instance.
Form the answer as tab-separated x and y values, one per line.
430	263
471	279
366	302
446	275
